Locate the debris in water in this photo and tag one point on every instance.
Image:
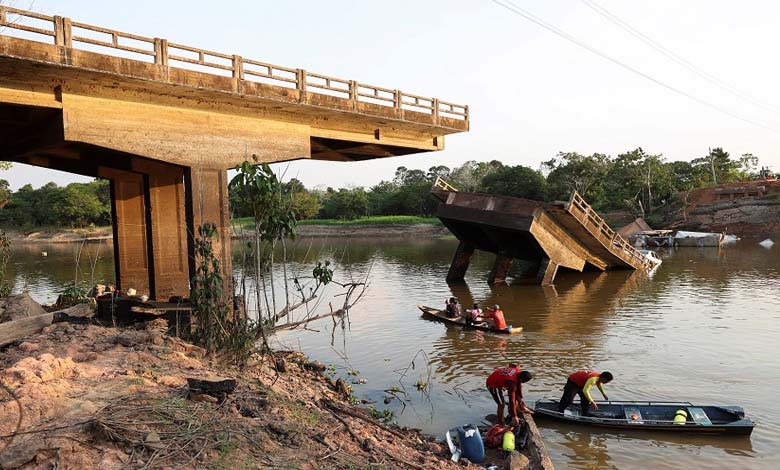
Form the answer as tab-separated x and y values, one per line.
767	243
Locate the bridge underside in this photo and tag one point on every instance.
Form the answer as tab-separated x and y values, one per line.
165	136
520	229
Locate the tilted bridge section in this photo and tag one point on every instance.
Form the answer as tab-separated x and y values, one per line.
562	234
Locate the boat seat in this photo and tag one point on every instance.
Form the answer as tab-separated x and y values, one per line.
633	415
699	416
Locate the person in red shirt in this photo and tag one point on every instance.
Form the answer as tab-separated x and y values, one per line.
496	315
509	378
580	383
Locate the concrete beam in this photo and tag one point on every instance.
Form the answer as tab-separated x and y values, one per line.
181	136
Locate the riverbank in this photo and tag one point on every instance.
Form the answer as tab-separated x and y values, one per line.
60	235
86	396
414	227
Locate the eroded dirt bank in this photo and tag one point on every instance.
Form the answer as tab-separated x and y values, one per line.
86	396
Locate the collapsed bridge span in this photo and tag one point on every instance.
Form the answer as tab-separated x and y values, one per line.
561	234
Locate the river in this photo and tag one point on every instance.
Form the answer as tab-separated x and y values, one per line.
703	328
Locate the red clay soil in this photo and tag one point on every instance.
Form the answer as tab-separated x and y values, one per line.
85	396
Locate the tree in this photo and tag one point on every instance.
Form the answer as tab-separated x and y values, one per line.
748	164
79	206
571	171
716	168
439	171
345	204
516	181
469	176
5	193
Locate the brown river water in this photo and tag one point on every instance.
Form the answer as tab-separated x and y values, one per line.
705	328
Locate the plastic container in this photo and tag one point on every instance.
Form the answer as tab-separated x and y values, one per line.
471	444
508	442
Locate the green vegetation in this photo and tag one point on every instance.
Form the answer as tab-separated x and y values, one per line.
75	205
216	327
633	181
5	255
247	222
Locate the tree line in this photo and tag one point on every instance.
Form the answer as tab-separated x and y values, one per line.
75	205
634	181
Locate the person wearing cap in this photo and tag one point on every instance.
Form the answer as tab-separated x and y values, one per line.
451	308
580	383
511	379
496	316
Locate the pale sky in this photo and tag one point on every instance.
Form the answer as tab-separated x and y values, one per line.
531	93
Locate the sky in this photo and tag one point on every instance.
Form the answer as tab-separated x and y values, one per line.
531	93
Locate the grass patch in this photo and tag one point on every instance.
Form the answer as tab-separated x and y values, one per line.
247	222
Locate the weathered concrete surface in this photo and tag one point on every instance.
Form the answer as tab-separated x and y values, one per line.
164	134
569	235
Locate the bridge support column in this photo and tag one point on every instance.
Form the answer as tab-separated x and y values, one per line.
547	271
460	262
500	269
131	242
207	201
150	232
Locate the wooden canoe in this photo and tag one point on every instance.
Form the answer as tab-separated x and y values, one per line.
653	416
440	315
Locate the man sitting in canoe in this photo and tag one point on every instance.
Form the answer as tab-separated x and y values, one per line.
580	383
511	379
496	317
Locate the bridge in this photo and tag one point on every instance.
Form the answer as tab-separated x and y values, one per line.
565	234
164	121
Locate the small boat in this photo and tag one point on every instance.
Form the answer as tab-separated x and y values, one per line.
653	416
440	315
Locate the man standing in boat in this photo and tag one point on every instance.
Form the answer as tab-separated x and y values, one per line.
580	383
511	379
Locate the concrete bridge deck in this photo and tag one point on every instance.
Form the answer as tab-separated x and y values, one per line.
164	121
567	234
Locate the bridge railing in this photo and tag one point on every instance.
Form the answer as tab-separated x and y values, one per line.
67	33
599	228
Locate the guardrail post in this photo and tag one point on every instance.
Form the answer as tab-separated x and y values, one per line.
301	84
63	35
397	103
353	94
466	112
238	72
435	103
161	51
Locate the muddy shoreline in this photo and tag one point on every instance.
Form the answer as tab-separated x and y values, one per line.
378	230
83	395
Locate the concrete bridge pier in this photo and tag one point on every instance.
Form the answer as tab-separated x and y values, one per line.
157	211
460	262
501	267
547	271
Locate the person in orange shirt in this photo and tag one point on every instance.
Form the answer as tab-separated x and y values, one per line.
511	379
496	315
